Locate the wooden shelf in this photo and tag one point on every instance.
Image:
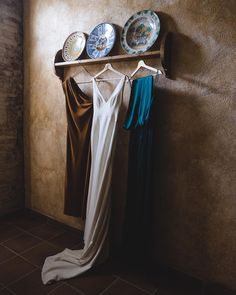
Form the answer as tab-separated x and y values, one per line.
116	58
163	55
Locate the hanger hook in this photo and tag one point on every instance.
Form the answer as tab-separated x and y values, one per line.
107	66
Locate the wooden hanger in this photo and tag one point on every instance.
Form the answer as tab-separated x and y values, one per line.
106	68
141	64
83	70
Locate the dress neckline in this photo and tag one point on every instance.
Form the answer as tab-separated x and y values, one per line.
106	100
73	84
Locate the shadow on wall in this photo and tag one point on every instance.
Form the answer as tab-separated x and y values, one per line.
117	49
181	138
186	57
181	187
167	25
184	221
189	65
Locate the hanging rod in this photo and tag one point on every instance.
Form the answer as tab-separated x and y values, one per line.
163	54
116	58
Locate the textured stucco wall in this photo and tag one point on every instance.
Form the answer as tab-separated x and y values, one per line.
194	221
11	106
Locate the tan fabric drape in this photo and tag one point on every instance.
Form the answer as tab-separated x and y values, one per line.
79	110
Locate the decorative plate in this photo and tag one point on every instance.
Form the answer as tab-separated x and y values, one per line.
101	40
140	32
73	46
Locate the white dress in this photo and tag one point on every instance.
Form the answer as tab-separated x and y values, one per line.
70	263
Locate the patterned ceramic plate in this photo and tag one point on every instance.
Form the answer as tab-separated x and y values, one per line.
140	32
101	40
73	46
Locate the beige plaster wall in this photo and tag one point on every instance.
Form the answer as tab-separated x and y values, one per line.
194	219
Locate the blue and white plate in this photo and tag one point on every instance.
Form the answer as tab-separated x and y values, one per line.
101	40
140	32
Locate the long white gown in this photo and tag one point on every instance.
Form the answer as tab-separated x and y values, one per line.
70	263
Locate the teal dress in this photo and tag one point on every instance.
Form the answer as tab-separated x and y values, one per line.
139	121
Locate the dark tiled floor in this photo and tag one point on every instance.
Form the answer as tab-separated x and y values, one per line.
37	254
26	239
5	254
66	240
22	242
95	283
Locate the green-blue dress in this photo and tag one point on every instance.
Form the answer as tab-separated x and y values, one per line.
139	121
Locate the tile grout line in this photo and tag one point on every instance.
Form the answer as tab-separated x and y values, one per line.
23	252
28	249
9	259
36	268
22	228
110	285
45	220
9	290
19	254
22	257
55	288
65	227
48	241
23	232
2	243
77	290
60	249
132	284
64	230
27	232
12	251
155	291
40	243
22	277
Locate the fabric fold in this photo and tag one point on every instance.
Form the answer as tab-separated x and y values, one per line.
79	111
70	263
139	121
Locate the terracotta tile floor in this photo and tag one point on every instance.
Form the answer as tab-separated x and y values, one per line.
26	239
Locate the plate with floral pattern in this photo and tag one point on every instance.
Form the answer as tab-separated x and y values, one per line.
101	40
140	32
73	46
